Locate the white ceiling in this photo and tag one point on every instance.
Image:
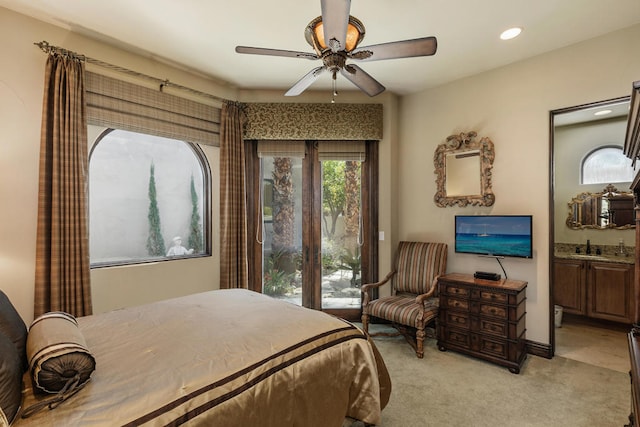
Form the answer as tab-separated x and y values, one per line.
202	34
605	110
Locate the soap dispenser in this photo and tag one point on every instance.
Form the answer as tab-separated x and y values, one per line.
621	249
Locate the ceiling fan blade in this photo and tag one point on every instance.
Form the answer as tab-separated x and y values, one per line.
364	81
403	49
335	19
275	52
305	82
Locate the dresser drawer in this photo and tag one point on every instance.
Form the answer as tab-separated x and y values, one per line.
493	347
458	337
458	304
457	319
456	290
498	297
494	310
492	327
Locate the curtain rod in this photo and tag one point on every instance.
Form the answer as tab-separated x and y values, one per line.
49	49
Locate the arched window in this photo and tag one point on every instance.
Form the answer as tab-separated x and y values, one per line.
606	165
148	199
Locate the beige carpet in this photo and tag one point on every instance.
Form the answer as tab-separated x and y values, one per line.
450	389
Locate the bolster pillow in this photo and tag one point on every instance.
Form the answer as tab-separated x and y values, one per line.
57	353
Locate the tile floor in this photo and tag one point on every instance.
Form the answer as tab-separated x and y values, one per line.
595	344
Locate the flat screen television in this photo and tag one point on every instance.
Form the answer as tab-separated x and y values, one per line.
494	235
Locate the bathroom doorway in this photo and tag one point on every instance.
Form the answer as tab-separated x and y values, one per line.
580	212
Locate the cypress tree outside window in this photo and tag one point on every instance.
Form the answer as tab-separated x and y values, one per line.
148	199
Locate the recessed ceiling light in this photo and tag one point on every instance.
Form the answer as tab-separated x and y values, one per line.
601	112
510	33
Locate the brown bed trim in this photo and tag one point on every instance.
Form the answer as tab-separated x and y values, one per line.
205	407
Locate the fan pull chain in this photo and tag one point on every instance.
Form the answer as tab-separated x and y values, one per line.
335	90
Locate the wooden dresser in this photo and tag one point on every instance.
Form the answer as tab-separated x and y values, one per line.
483	318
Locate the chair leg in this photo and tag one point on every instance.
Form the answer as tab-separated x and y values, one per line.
365	323
420	343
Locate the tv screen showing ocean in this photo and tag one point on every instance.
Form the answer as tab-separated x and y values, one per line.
494	244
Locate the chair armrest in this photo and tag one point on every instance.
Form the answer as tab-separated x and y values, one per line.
420	298
432	292
366	288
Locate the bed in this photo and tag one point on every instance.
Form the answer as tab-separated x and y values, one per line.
221	358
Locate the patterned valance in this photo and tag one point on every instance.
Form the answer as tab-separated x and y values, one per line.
287	121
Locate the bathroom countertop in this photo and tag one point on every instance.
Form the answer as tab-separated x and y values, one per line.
629	259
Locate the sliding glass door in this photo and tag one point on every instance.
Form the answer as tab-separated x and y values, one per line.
341	234
312	224
281	237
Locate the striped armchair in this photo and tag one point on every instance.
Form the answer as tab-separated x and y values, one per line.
413	302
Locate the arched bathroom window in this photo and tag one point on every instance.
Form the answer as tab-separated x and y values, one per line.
606	165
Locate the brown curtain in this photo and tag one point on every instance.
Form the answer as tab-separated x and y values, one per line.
233	209
62	281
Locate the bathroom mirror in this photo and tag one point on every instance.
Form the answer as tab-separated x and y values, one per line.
609	209
463	171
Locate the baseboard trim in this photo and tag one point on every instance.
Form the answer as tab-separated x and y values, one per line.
539	349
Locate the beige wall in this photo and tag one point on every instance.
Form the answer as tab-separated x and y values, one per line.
21	89
21	85
511	106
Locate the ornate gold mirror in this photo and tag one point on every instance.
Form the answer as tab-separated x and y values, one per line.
610	209
463	171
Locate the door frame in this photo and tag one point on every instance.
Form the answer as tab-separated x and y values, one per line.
552	115
312	205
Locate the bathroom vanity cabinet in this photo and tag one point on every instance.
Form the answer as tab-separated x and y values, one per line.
596	289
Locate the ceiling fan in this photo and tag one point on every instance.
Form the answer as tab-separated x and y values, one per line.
335	37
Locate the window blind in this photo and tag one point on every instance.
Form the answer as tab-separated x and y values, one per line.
342	150
123	105
281	149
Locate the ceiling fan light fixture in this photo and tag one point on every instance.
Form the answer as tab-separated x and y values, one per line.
355	33
314	33
343	36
